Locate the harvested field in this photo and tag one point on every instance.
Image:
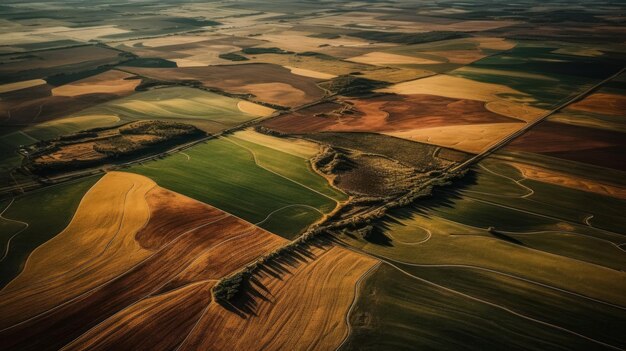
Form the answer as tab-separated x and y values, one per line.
523	112
459	88
47	211
174	312
394	75
209	111
299	41
570	181
293	146
51	62
598	147
325	279
266	81
309	73
9	87
387	114
97	245
387	59
602	103
311	61
110	82
473	138
254	109
110	301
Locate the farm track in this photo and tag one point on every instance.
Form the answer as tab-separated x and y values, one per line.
357	291
288	206
517	182
391	262
513	276
8	244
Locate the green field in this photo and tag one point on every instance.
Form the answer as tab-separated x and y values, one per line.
224	174
47	211
9	157
402	311
535	69
208	111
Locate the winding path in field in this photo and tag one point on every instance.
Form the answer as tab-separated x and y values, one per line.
513	276
391	262
504	308
288	206
517	182
26	225
357	291
188	157
429	235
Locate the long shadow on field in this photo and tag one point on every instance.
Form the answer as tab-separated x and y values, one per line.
445	197
255	290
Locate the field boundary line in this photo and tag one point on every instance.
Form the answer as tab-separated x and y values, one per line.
26	225
503	308
159	287
288	206
357	291
513	276
114	278
254	156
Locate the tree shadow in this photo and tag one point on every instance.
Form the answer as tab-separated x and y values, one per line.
255	290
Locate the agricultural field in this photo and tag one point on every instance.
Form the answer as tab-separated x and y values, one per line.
302	175
261	181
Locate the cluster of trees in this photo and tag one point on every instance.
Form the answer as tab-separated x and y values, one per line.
362	225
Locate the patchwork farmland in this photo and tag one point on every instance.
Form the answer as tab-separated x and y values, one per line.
297	175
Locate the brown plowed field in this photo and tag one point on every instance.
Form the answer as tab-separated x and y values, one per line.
267	82
388	113
27	108
214	237
602	103
587	145
156	323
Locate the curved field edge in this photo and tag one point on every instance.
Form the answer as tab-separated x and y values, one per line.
47	212
274	316
225	175
401	311
185	242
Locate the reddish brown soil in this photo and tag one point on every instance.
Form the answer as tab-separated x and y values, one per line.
172	214
239	78
178	249
587	145
602	103
388	113
156	323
